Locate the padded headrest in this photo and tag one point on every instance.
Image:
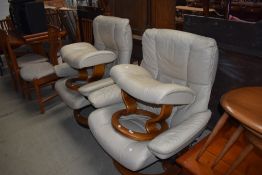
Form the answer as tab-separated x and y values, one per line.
113	33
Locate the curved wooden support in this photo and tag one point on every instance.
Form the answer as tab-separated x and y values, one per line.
98	73
169	169
151	125
75	83
81	120
82	79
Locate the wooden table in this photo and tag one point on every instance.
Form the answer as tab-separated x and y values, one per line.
250	166
245	105
224	153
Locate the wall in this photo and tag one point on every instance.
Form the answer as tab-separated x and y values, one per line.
4	8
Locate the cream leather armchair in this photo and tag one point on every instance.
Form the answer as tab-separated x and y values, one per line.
164	103
112	45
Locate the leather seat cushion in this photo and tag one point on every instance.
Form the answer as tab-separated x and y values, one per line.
64	70
132	154
72	98
36	71
30	59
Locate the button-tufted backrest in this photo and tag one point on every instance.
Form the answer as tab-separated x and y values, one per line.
182	58
114	34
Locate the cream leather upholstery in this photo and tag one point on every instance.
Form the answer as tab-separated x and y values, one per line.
112	45
142	86
81	55
173	62
30	59
38	70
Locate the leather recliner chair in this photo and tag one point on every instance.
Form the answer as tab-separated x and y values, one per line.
165	100
112	45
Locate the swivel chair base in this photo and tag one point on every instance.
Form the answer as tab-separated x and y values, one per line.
80	119
169	169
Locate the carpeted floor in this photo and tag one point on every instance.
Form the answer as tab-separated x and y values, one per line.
45	144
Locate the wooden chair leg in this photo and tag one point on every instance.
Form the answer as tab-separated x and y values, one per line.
240	158
1	66
217	128
28	91
14	81
230	142
39	96
18	82
24	89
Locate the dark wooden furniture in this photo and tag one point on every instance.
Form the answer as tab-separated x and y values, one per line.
145	13
8	42
5	25
226	149
55	3
53	18
34	40
86	14
246	10
240	37
240	55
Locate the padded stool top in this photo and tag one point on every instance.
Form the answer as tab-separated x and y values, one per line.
245	104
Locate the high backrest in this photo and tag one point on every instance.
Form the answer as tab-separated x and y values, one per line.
8	51
114	34
68	18
53	18
53	39
187	59
6	24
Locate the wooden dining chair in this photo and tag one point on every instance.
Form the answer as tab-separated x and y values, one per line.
53	18
14	62
6	24
68	17
43	74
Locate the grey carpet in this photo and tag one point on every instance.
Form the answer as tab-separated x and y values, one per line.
45	144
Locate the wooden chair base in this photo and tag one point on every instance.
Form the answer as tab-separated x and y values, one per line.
231	163
37	84
80	119
75	83
169	169
151	124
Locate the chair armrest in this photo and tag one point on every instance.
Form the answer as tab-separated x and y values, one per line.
138	82
106	96
82	55
64	70
96	85
175	139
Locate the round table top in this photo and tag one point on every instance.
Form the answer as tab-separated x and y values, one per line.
245	104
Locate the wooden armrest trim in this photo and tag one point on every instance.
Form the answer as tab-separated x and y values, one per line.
82	79
75	83
151	125
35	35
